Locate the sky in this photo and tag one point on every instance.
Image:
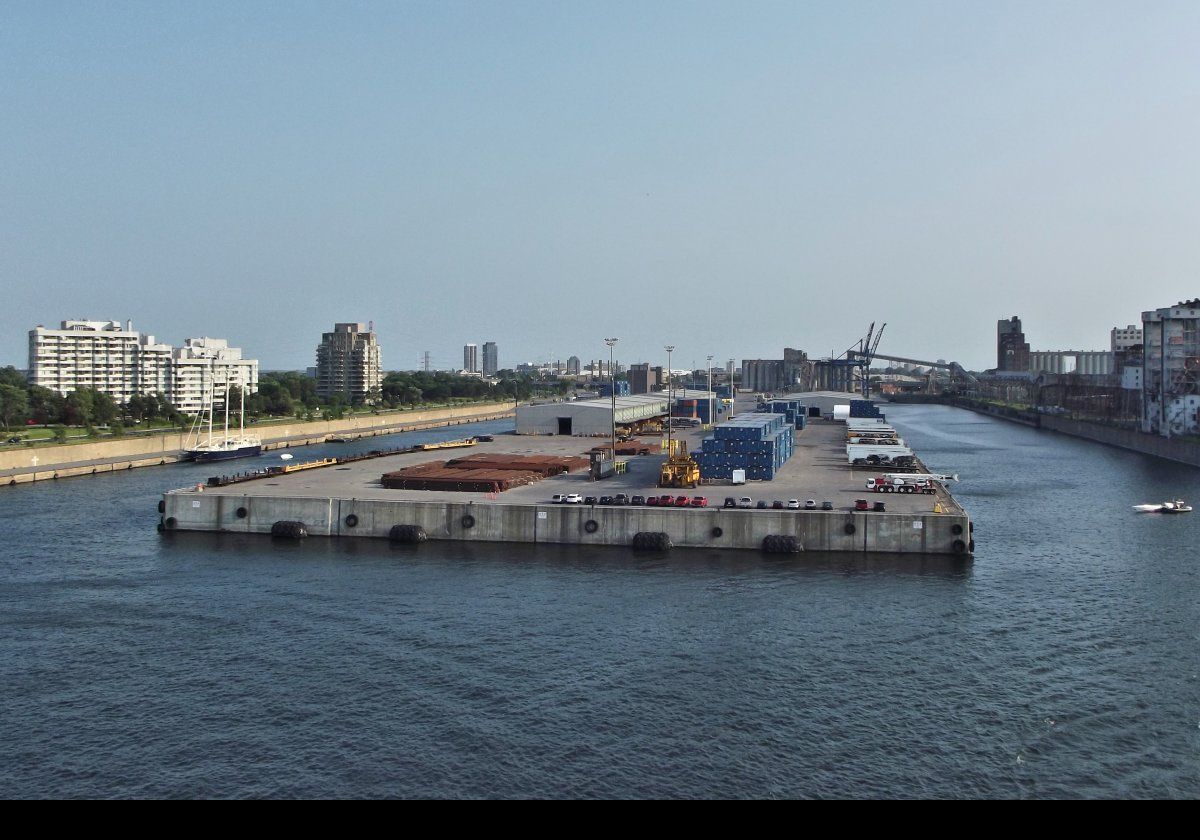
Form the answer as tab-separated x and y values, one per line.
729	178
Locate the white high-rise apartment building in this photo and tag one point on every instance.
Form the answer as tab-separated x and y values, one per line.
208	362
122	363
471	358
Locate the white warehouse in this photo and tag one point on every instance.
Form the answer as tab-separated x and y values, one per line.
588	418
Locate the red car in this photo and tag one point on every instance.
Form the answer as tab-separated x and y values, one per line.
861	504
682	501
666	501
652	501
699	501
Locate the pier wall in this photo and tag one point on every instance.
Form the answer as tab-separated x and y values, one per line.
568	524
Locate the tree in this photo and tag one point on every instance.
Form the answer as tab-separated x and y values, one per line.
11	376
46	406
14	405
80	407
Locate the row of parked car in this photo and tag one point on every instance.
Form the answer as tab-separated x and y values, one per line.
622	499
667	500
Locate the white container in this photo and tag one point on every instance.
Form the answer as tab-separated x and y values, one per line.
739	476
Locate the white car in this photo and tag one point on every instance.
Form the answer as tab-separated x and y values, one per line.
745	502
793	504
573	499
558	498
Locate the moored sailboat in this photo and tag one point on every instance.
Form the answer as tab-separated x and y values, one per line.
226	446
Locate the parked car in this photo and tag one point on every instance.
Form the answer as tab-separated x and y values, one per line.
589	500
637	500
558	498
699	501
777	505
573	499
826	505
730	502
879	507
666	500
762	504
606	500
745	502
620	499
794	504
862	504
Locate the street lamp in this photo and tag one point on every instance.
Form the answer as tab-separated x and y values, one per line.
711	418
670	402
612	378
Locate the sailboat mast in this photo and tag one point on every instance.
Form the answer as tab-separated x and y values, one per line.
211	396
226	406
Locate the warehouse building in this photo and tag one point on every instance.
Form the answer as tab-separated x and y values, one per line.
588	417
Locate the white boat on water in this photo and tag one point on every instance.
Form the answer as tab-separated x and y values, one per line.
1176	506
220	446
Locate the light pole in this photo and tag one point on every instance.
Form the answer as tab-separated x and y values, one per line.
712	421
670	450
612	378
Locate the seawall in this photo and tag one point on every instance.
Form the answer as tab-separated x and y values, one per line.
22	465
1172	449
898	533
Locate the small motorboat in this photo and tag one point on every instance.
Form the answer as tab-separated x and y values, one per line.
1176	506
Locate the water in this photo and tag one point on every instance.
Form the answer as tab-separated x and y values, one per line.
1061	663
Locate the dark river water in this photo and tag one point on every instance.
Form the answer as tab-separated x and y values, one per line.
1062	662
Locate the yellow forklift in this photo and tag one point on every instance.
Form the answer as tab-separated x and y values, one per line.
679	470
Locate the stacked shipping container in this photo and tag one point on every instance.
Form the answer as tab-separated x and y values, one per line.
760	444
794	410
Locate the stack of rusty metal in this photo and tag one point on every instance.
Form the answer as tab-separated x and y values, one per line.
545	465
481	473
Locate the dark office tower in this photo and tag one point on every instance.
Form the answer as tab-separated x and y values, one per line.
491	358
1012	351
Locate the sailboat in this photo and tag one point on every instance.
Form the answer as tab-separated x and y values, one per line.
220	447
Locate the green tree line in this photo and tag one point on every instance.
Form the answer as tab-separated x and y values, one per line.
280	394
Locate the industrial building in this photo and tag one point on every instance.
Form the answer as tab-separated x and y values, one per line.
349	364
1012	350
588	418
1171	376
776	374
644	379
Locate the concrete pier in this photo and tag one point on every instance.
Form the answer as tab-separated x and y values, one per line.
348	500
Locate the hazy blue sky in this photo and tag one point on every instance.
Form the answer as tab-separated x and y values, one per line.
728	177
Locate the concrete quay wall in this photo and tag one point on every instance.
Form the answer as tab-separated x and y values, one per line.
192	510
155	449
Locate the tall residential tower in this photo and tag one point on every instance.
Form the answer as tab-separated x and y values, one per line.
349	363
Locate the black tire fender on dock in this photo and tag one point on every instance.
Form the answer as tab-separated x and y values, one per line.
956	529
468	521
959	546
351	520
591	526
287	529
162	506
171	522
241	513
717	532
849	528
